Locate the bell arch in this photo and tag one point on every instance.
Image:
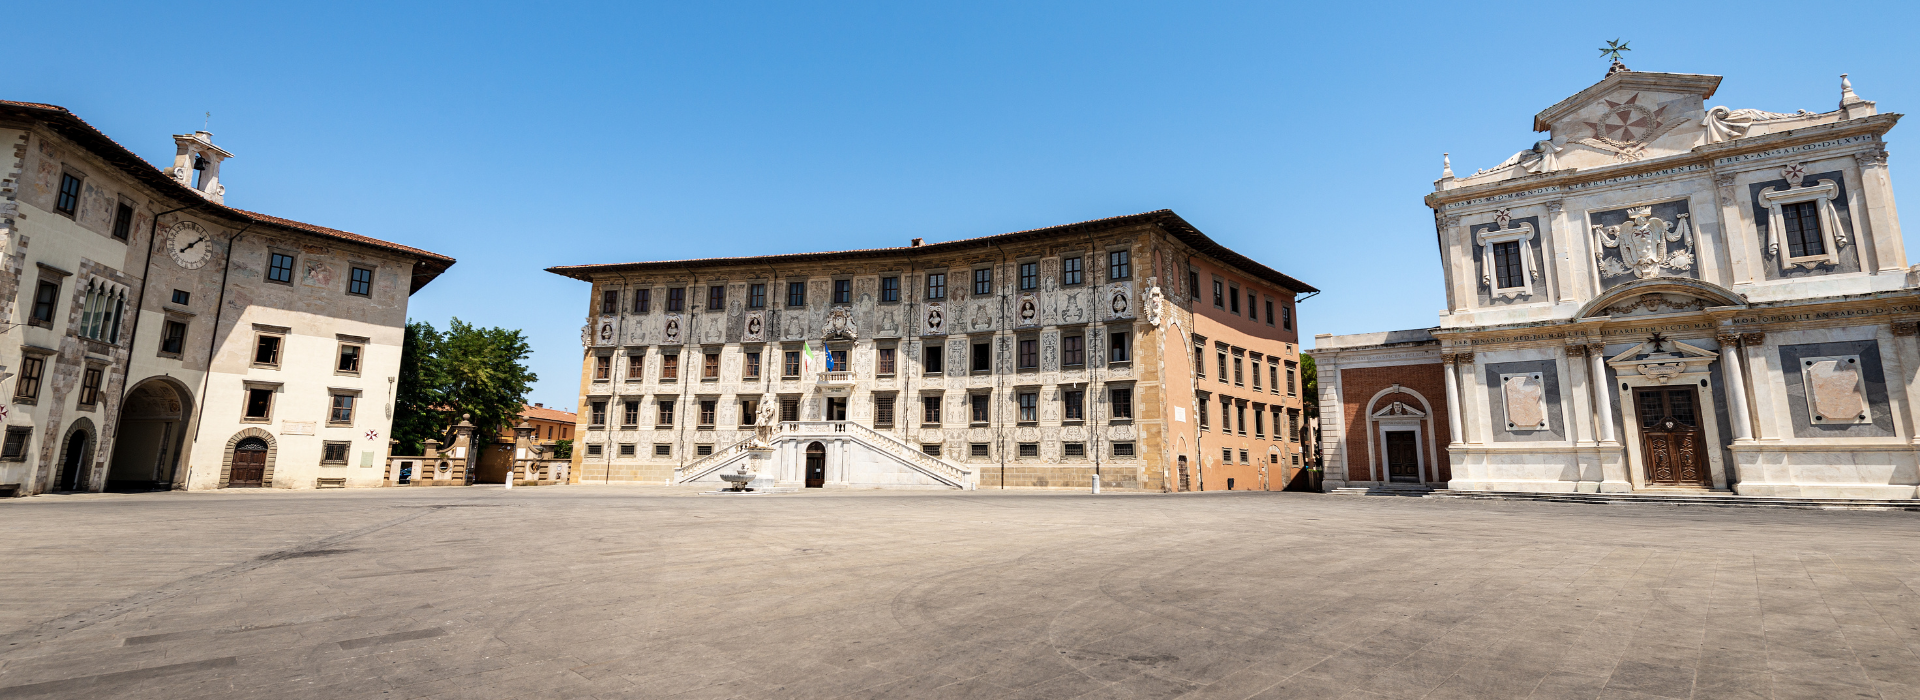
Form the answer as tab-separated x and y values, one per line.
152	431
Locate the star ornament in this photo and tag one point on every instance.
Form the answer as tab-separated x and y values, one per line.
1614	48
373	435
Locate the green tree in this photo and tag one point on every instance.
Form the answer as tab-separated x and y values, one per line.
1310	379
562	448
467	370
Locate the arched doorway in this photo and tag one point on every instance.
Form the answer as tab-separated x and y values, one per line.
75	457
146	449
249	463
816	465
1186	482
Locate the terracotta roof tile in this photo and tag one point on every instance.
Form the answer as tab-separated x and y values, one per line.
543	413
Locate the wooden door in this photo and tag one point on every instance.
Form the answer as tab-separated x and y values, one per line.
1673	443
249	463
816	466
1403	457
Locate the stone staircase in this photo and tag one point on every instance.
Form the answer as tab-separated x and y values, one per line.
1686	497
710	463
906	454
1393	490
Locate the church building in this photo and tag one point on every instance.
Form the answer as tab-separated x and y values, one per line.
1134	348
1660	294
157	338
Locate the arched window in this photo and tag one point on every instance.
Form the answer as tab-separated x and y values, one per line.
102	310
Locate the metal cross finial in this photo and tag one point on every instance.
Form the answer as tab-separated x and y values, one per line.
1613	49
208	124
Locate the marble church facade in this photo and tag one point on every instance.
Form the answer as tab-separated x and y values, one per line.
1033	359
1660	294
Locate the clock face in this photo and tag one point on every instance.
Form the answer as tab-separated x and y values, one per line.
189	245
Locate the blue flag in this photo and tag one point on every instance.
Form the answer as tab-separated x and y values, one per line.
829	354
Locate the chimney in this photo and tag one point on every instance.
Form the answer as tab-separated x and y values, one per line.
539	405
916	242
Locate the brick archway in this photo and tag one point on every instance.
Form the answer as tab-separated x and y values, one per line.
226	457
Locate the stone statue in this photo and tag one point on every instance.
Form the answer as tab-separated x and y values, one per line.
1156	306
764	422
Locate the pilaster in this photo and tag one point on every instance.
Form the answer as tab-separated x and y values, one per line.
1882	219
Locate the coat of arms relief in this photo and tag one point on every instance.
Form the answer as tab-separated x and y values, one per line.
1643	244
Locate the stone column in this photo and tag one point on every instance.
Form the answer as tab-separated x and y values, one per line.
1582	422
1471	409
1764	392
1882	221
1454	436
1741	419
1603	392
522	462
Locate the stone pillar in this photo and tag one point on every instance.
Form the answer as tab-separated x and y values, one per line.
1741	419
1566	249
463	458
523	462
1764	392
429	469
1743	254
1461	284
1883	222
1603	392
1906	381
1454	409
1471	397
1582	380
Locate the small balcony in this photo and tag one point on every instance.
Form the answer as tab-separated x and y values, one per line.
836	383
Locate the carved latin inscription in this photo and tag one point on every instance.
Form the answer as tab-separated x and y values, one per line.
1526	400
1836	392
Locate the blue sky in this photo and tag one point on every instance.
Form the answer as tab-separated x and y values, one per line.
515	137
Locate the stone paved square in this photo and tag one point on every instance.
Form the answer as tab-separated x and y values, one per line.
655	592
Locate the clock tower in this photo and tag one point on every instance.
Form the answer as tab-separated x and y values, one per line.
196	164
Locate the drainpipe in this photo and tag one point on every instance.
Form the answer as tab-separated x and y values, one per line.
213	344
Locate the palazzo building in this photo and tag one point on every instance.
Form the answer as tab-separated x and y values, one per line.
1659	294
157	338
1134	347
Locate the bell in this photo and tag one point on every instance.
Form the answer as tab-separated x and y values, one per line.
199	163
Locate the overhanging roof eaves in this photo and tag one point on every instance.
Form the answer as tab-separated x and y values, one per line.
1164	218
427	265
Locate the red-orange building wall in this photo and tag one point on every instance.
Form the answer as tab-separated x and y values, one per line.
1358	386
1272	450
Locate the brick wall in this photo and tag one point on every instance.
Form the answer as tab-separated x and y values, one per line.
1358	385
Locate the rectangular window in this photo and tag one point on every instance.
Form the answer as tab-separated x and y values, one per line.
936	287
978	449
1273	376
1222	354
1237	374
1070	272
636	367
1029	407
749	412
334	452
1290	380
90	386
1117	348
341	412
1256	372
173	337
1073	350
44	300
1293	424
266	351
1269	312
181	297
930	410
883	411
597	413
1029	276
1253	310
889	289
665	419
349	361
280	268
602	368
122	222
983	281
790	366
1226	415
360	282
630	413
1193	284
1123	449
979	405
259	404
707	413
756	296
1075	402
843	291
1802	222
796	294
626	449
702	450
1240	416
676	299
1029	353
1259	423
1073	449
1506	265
1233	298
1219	295
593	450
789	410
886	362
1243	457
935	362
610	301
663	450
669	368
642	300
932	449
69	199
1029	449
839	358
710	368
1120	400
750	365
1226	455
1201	409
982	357
15	449
1119	265
717	297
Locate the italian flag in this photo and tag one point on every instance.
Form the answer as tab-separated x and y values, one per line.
807	361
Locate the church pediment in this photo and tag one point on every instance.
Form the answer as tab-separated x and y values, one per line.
1661	360
1399	409
1660	295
